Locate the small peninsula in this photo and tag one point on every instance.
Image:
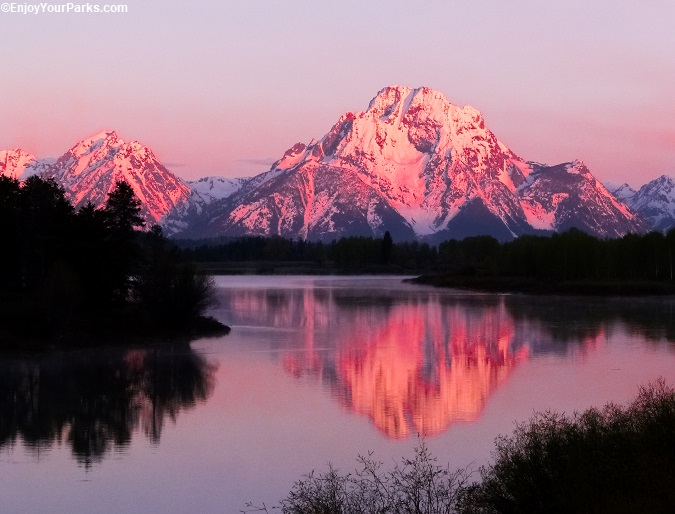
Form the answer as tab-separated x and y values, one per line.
92	276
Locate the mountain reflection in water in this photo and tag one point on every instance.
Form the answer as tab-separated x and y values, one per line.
94	401
417	360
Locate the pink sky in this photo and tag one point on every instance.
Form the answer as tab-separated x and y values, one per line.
226	87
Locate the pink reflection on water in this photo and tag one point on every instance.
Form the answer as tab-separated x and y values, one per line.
427	367
410	365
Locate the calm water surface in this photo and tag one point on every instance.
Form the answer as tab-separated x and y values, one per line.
316	369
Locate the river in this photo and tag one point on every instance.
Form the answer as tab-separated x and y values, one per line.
315	370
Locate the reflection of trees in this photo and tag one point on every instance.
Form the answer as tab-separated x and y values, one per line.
93	401
553	324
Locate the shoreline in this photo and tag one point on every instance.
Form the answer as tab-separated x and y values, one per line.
202	327
534	287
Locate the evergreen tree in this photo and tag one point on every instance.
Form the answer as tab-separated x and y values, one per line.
124	208
387	247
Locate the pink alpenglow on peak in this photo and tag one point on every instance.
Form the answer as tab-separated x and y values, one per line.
92	167
19	164
418	166
413	164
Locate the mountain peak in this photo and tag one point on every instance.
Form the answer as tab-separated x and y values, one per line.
13	162
411	104
664	179
655	202
416	164
624	192
92	167
105	134
107	137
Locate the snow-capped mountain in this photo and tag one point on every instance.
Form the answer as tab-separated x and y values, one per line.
21	165
210	189
623	192
568	195
203	192
91	168
412	163
655	202
418	166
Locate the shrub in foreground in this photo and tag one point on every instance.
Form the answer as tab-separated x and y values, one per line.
415	486
610	460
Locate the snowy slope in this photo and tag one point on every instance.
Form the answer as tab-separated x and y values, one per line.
203	192
210	189
568	195
655	202
623	193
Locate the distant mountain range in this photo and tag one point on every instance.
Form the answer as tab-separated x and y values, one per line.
412	163
654	202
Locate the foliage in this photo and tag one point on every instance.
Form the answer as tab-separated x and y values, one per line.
615	459
123	208
610	460
169	291
572	256
415	486
349	253
64	273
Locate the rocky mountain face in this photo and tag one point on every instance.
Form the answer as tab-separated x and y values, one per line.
418	166
654	202
568	195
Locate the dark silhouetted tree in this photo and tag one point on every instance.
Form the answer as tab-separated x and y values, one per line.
387	247
124	208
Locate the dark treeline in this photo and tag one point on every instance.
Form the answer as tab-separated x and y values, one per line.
350	253
568	257
67	274
572	255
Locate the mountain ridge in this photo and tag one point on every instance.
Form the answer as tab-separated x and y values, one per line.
414	153
653	201
412	163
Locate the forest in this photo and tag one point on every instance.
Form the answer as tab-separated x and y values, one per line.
91	275
572	260
346	255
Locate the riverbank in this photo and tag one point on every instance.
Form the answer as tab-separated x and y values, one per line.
532	286
24	334
269	267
